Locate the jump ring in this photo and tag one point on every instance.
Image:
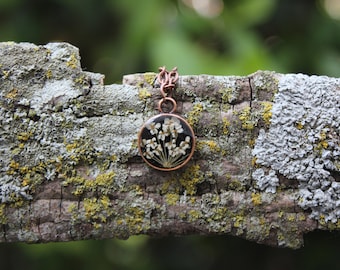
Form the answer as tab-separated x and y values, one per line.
167	99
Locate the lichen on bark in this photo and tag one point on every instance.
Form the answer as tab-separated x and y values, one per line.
70	168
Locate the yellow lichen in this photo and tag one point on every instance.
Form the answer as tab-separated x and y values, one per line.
301	217
5	74
48	74
299	125
82	185
190	178
25	182
12	94
254	162
188	181
150	77
212	145
245	118
322	144
226	94
14	165
291	217
82	79
251	143
72	62
71	146
234	184
144	94
171	198
322	220
193	215
133	219
170	185
238	221
97	209
267	112
24	136
280	237
3	218
225	126
256	198
281	214
194	114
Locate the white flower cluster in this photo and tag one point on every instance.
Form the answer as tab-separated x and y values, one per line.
163	147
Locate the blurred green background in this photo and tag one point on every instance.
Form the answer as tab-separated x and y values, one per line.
230	37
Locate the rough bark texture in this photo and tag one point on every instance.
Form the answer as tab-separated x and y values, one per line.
266	165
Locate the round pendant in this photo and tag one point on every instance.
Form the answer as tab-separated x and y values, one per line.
166	142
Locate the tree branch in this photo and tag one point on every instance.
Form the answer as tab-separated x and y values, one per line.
266	165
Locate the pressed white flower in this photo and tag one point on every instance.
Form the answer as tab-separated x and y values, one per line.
158	151
162	134
171	123
170	145
152	143
153	127
148	154
164	147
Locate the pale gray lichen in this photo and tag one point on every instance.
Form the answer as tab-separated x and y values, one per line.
60	89
302	142
267	182
10	187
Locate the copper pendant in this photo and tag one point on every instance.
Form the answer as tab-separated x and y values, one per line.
166	141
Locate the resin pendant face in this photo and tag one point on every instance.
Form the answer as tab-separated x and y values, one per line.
166	142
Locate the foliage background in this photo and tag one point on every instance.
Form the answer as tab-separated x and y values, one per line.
230	37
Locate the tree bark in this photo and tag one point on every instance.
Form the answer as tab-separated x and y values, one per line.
266	165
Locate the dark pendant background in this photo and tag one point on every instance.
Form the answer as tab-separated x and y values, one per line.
187	131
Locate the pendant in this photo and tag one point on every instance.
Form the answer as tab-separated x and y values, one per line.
166	142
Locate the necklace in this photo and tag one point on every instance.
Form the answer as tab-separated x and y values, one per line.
166	141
